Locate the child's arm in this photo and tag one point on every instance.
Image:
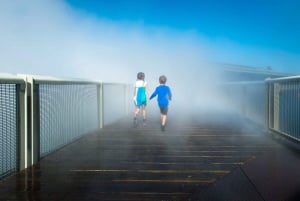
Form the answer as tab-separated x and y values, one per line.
153	94
170	94
134	91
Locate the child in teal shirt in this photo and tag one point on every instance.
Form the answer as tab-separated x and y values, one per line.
140	92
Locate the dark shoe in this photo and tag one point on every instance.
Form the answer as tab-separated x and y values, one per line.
162	128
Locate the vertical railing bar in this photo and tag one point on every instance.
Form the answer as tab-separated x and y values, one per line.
18	126
100	105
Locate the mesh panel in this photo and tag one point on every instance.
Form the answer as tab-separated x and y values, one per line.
8	130
66	113
289	109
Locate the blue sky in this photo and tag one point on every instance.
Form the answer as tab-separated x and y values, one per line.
112	39
271	25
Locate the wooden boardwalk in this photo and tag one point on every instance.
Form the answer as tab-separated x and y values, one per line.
122	163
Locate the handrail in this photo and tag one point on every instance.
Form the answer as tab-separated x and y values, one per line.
10	79
282	79
38	79
254	70
242	82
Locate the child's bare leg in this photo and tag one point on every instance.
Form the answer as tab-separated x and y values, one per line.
144	115
144	112
163	119
136	112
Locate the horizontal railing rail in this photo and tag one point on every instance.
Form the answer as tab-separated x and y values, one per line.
283	79
10	79
56	80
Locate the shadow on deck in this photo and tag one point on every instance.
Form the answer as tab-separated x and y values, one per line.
193	159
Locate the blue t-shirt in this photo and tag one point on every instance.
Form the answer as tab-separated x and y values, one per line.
163	93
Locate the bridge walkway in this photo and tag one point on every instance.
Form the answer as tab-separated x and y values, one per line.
196	158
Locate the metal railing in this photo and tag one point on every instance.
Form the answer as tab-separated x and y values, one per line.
273	103
42	114
10	87
284	106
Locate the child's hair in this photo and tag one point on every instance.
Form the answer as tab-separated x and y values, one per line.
162	79
141	76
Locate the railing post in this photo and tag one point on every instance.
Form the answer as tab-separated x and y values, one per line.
100	105
23	119
276	106
267	108
35	123
29	123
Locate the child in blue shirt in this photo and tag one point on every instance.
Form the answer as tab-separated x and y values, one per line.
164	94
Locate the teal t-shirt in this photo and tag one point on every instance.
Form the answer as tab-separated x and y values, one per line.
141	95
